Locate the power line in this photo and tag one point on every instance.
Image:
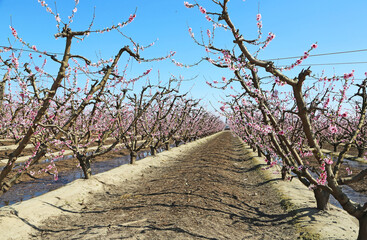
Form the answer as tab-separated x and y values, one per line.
284	58
317	55
29	50
324	64
272	59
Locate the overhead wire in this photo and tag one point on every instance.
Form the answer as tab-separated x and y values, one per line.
271	59
318	55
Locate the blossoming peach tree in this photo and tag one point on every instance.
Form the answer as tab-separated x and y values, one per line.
280	115
43	110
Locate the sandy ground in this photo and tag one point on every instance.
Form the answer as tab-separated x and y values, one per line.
332	224
213	188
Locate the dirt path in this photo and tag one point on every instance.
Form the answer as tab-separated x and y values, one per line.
211	192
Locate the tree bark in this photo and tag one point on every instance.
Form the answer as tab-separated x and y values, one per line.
2	92
362	234
322	199
268	160
284	172
85	164
168	147
360	151
335	147
258	151
133	156
153	151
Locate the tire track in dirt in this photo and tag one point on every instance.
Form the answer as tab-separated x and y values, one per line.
210	192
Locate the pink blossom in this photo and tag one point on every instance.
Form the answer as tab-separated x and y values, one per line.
147	72
328	161
15	61
188	5
322	179
208	18
258	17
333	129
131	18
34	48
313	46
58	19
14	32
208	33
202	10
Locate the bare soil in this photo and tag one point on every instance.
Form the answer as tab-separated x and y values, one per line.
210	192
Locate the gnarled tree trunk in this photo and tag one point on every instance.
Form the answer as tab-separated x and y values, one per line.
362	234
133	156
322	199
258	151
335	147
153	151
85	165
168	147
360	151
284	172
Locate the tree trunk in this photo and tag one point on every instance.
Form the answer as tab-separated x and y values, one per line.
168	147
258	151
335	147
362	234
153	151
133	156
322	199
360	151
2	92
268	158
284	172
85	164
177	143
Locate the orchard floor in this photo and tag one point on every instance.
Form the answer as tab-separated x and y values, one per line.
208	192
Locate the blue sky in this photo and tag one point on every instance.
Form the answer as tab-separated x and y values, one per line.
335	25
